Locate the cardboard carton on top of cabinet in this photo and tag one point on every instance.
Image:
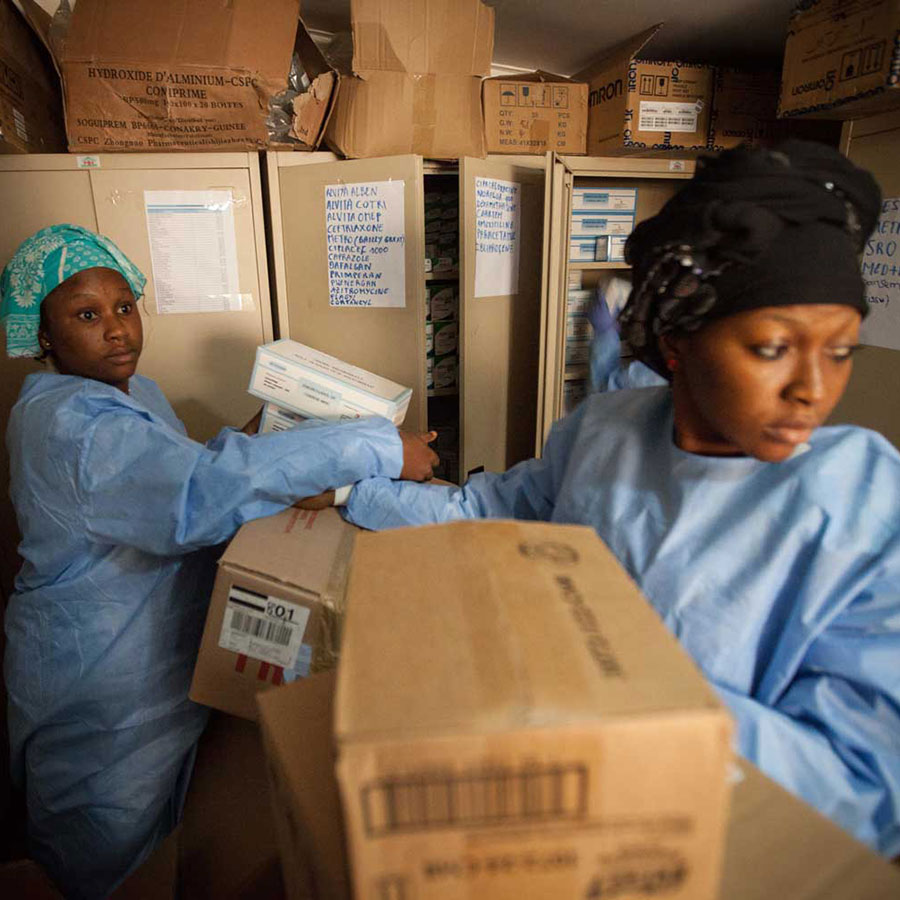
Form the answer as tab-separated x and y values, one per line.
416	80
276	608
514	721
31	116
776	846
163	75
535	112
646	106
841	59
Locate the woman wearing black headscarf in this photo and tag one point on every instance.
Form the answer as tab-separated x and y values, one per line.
768	545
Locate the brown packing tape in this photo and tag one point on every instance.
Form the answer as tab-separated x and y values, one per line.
424	113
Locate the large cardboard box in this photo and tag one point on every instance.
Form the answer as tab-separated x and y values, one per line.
416	82
276	608
534	113
31	118
841	59
646	105
174	75
777	847
744	108
514	721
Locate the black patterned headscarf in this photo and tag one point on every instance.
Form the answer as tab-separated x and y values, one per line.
753	228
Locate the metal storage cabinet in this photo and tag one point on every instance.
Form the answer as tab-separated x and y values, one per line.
871	396
202	361
656	180
493	411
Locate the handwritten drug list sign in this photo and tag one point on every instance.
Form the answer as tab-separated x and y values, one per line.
366	244
497	237
881	272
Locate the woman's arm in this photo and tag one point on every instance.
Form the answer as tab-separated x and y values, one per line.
833	736
527	491
145	485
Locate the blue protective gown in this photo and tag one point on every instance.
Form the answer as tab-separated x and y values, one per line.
782	580
115	504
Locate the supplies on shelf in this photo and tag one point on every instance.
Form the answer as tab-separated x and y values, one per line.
441	303
574	392
446	337
446	445
441	232
602	219
443	371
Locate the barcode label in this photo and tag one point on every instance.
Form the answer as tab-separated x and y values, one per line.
500	796
260	628
263	627
655	115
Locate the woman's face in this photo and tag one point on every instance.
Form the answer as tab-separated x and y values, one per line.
92	327
759	382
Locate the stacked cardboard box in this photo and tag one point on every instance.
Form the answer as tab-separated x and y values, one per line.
534	113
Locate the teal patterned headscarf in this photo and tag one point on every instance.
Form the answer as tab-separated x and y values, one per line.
44	261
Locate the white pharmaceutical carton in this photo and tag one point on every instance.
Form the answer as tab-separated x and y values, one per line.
306	381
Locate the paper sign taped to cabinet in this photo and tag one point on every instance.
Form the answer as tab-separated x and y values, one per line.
497	237
193	250
881	273
364	227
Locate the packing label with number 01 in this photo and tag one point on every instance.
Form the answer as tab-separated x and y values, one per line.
263	627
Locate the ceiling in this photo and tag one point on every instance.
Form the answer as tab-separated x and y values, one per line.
563	36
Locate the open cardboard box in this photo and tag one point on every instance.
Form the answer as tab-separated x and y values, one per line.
165	75
416	81
649	106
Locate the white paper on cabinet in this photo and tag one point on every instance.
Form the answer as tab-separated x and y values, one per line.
497	237
881	272
366	240
193	251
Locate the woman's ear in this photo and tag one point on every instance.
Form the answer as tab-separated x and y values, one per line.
672	349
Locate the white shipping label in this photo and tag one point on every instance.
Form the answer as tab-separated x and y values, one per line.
366	240
881	273
193	251
263	627
660	115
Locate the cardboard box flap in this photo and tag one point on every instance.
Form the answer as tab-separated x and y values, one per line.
492	626
313	108
538	76
186	33
445	37
15	47
619	56
269	548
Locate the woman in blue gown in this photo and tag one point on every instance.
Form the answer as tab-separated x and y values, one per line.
770	546
119	511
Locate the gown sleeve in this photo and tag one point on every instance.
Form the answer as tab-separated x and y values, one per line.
833	737
526	491
143	484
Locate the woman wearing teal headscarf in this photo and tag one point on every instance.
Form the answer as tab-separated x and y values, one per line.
116	506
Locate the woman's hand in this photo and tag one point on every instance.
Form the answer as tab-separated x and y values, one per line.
252	427
419	459
320	501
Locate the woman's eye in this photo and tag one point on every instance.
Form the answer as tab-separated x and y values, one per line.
770	351
125	308
842	353
87	315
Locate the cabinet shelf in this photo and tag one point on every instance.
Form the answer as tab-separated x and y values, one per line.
599	265
453	275
443	392
576	373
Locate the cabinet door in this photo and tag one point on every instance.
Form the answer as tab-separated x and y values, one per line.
33	198
870	399
500	334
386	340
201	361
